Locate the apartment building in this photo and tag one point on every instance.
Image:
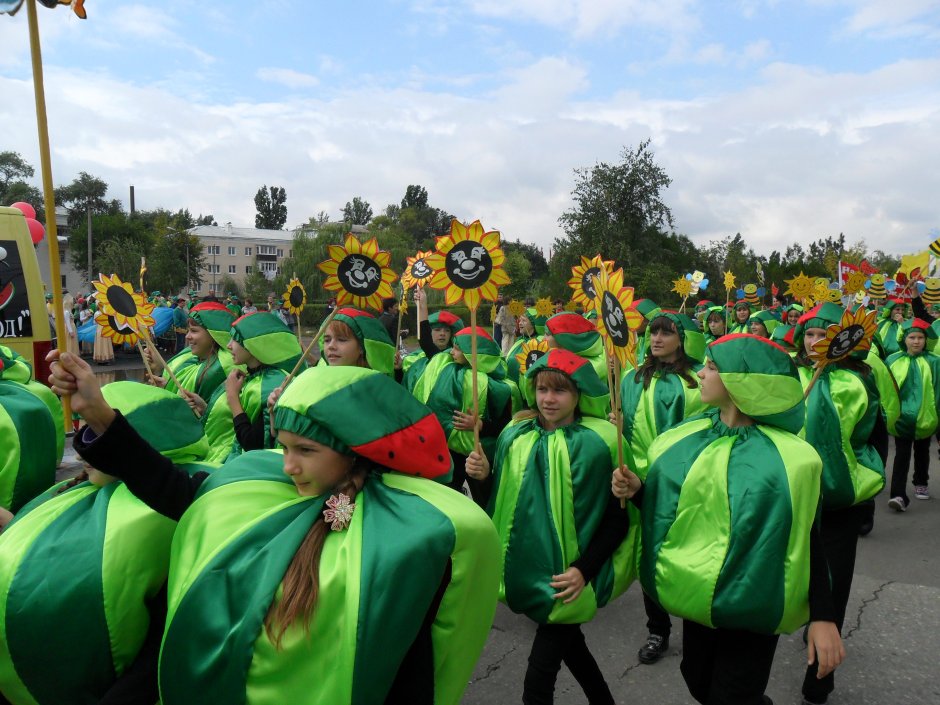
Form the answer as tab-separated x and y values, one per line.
236	251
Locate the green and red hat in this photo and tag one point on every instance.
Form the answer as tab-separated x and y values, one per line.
372	336
161	417
355	410
593	397
575	333
266	337
768	319
918	325
646	308
445	319
761	379
703	305
216	319
489	354
717	310
820	316
780	335
892	303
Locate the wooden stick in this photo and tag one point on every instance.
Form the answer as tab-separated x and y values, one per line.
473	368
813	380
156	351
618	422
401	304
417	322
309	347
682	307
143	356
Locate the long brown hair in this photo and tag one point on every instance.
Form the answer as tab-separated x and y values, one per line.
301	584
653	366
550	378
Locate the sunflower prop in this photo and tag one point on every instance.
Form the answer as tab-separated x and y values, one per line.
852	334
295	299
544	308
516	308
417	271
800	287
358	273
118	334
730	285
571	306
126	311
582	280
683	287
854	283
617	322
531	351
468	265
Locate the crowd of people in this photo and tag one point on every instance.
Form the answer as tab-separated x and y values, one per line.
344	536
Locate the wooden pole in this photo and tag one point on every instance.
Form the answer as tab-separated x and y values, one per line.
45	161
146	336
473	368
143	356
618	422
309	347
401	309
813	380
417	322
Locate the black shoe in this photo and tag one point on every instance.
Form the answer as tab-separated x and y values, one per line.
654	649
866	526
808	701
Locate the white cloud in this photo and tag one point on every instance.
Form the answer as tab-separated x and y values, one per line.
287	77
898	18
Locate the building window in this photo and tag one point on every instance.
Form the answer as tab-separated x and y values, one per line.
231	269
267	250
213	268
248	269
290	252
213	249
280	252
231	250
247	252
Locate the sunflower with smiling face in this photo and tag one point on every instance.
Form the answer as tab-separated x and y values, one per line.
582	279
127	308
417	272
468	264
358	273
117	333
617	320
295	298
853	334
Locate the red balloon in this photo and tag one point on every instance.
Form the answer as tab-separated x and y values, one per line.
25	209
36	230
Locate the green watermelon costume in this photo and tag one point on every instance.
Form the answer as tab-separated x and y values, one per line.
373	339
668	400
727	512
241	529
918	380
718	311
579	335
266	337
15	368
203	377
649	309
78	568
414	364
889	331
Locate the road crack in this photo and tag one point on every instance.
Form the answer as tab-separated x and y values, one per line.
861	609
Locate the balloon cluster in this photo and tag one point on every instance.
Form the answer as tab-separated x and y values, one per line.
36	229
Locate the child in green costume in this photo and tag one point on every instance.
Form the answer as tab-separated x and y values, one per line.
331	572
565	543
655	397
729	537
917	373
108	554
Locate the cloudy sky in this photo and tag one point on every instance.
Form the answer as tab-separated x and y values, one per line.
784	120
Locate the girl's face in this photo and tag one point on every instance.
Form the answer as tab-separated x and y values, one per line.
758	328
716	326
440	336
793	316
313	467
556	405
915	342
742	313
664	345
714	392
811	336
240	354
897	314
525	325
340	349
199	341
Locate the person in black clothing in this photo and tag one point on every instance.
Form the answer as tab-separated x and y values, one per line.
389	319
341	489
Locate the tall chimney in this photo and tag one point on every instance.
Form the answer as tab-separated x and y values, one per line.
132	200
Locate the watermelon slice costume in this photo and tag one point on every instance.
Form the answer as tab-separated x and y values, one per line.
93	562
414	364
407	591
889	330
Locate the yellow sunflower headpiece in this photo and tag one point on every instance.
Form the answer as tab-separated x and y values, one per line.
854	283
295	298
468	264
358	273
128	308
531	350
417	272
582	280
800	287
852	334
682	286
111	329
617	319
729	281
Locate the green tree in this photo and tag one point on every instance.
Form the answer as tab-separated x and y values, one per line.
258	286
166	263
14	170
226	285
357	212
86	192
120	257
417	218
131	234
519	270
270	204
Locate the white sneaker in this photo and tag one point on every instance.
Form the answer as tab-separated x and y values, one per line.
920	492
898	504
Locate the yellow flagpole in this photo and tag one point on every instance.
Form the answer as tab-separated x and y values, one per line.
45	161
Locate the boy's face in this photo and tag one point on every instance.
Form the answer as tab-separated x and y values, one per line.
915	341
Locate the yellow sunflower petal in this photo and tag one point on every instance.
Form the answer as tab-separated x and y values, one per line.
383	258
337	253
472	298
452	294
458	231
490	240
489	291
475	231
440	280
370	247
499	277
352	244
498	257
435	261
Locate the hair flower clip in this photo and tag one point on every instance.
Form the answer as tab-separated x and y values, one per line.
339	512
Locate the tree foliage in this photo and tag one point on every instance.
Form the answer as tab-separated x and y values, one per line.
357	212
270	204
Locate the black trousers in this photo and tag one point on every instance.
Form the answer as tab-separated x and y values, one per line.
726	666
479	491
657	619
902	464
839	533
554	644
